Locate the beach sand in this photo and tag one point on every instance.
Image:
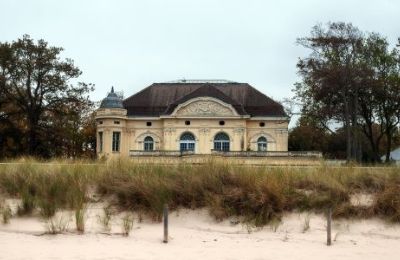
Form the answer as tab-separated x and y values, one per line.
196	235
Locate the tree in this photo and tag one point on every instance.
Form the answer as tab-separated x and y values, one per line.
308	136
36	83
330	86
380	102
352	80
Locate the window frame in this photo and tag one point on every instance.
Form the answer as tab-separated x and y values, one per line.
100	133
222	145
187	144
262	145
116	141
148	145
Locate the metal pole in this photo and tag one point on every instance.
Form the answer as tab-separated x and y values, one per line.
328	227
165	223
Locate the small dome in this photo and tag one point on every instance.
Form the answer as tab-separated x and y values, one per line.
112	100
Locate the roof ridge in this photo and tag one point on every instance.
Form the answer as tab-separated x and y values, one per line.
199	81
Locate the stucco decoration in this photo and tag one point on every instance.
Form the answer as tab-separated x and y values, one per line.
238	131
231	139
271	142
204	131
281	131
157	140
169	131
255	137
205	107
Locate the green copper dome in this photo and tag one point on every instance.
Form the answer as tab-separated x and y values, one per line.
112	100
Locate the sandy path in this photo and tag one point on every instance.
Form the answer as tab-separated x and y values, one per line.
195	235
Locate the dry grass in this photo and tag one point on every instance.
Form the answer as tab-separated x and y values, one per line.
6	214
127	224
105	219
57	224
258	195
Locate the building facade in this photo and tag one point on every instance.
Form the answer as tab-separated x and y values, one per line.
200	117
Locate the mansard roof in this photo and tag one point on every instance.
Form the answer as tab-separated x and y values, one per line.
162	98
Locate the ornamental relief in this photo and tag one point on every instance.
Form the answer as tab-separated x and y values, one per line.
205	108
204	131
169	131
238	131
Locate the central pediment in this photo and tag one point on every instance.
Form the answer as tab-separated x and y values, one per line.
204	107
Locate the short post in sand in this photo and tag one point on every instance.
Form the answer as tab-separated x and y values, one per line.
328	226
165	211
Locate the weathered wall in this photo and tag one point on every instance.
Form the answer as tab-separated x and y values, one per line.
262	161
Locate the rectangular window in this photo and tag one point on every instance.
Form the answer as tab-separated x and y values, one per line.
225	146
100	142
116	141
262	147
187	146
148	146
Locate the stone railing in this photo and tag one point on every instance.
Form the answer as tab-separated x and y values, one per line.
268	153
314	154
159	153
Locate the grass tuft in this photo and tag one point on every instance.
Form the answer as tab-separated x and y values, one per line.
6	213
57	224
127	224
105	219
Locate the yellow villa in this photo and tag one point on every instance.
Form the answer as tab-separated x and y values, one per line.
191	117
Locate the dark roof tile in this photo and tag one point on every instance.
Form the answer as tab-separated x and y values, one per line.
161	98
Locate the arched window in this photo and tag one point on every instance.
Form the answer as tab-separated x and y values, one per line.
187	142
148	143
262	144
221	142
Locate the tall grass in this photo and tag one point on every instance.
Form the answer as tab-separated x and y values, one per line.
258	195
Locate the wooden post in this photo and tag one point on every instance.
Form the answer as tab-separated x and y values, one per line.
328	226
165	223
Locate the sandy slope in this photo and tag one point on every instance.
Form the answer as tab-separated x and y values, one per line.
195	235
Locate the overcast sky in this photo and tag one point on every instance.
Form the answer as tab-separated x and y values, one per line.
131	44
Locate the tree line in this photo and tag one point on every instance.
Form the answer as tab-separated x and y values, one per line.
350	84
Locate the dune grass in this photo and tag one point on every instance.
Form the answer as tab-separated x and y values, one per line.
258	195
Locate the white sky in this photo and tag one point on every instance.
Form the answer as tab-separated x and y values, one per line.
131	44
